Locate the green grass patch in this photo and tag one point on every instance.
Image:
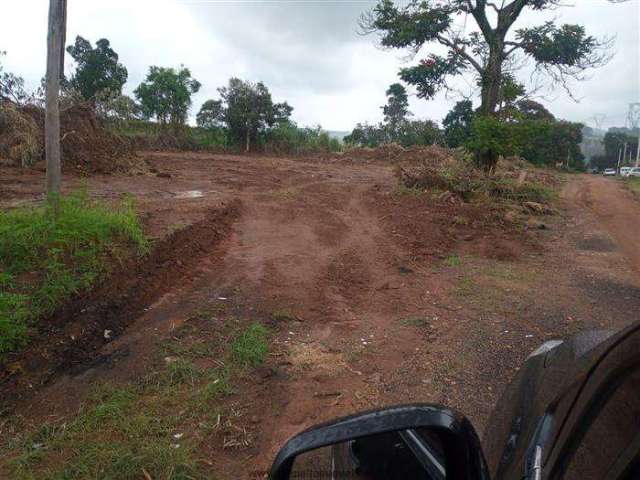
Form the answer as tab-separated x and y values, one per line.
156	425
46	258
119	435
250	347
633	185
453	261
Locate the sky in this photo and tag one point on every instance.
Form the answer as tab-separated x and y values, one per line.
308	53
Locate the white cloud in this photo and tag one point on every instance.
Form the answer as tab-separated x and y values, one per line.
307	52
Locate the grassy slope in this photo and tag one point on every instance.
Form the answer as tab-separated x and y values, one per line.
45	259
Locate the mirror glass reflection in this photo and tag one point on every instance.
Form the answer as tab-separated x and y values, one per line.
406	454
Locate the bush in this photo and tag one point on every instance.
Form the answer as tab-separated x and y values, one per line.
45	259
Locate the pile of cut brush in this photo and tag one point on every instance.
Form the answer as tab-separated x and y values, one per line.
86	145
453	171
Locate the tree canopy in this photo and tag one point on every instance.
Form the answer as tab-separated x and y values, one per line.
489	52
98	71
457	124
166	94
210	115
248	110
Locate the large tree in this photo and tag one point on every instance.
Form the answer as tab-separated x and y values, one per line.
166	94
249	110
488	51
98	72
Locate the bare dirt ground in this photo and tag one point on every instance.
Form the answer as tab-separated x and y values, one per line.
372	297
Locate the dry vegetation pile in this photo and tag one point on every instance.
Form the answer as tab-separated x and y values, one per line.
441	169
86	145
20	138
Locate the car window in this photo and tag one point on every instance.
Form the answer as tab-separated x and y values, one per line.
611	432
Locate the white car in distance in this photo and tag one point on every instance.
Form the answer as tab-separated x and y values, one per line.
634	172
624	171
609	172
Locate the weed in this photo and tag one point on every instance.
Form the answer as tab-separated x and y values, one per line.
250	347
180	372
419	322
402	189
45	257
283	316
453	261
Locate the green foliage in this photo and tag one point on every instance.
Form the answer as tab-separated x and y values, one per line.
97	70
458	124
46	258
549	44
115	437
431	74
490	134
563	52
288	138
614	143
405	133
166	94
210	115
397	108
249	110
11	85
250	348
541	142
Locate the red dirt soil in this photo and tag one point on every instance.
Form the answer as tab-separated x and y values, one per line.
389	299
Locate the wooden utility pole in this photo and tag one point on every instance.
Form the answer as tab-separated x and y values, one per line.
55	66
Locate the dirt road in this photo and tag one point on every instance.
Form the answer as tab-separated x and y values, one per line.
373	298
615	209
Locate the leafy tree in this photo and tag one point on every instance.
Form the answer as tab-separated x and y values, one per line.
457	124
11	85
532	110
210	115
97	70
166	94
249	110
614	142
563	52
418	132
397	108
121	108
367	135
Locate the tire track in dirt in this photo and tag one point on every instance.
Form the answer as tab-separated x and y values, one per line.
614	208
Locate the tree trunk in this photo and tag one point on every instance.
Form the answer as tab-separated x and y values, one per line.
490	96
247	141
55	53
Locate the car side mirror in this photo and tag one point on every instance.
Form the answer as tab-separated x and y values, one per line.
402	442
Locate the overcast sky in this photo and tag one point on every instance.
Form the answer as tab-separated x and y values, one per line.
307	52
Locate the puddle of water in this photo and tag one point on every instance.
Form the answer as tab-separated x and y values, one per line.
189	194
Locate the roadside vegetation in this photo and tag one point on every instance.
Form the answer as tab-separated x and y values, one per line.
633	184
154	428
47	256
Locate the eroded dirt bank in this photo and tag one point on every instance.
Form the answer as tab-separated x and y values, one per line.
372	297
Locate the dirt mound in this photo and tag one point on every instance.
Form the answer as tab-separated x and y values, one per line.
86	145
20	139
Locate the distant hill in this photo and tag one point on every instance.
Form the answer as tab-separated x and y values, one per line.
337	134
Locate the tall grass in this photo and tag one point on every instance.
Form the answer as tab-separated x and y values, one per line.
46	258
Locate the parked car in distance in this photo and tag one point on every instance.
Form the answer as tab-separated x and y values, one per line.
609	172
624	171
634	172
